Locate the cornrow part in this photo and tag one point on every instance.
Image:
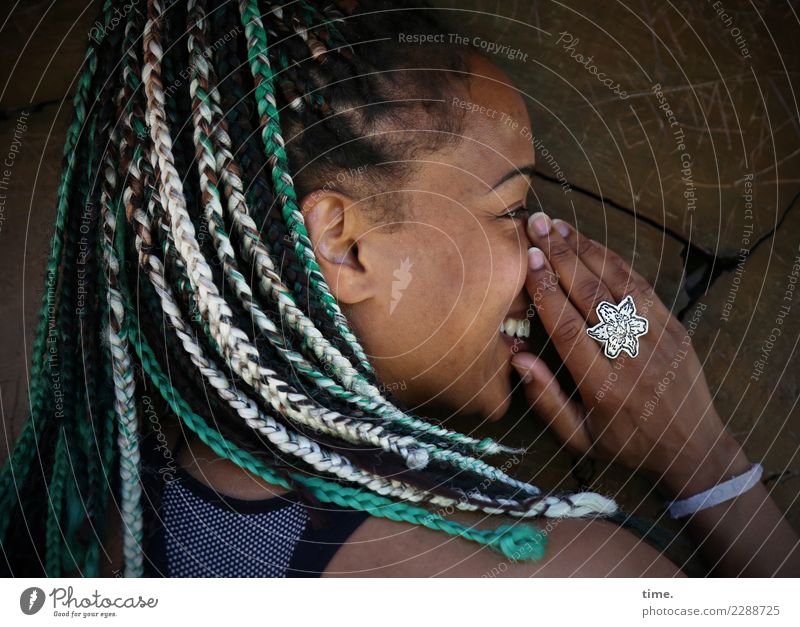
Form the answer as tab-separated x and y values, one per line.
272	285
200	125
208	174
242	356
284	186
298	90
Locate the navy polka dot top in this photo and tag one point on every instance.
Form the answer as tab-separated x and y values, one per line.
194	531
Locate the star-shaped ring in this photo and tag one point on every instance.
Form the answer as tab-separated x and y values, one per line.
619	328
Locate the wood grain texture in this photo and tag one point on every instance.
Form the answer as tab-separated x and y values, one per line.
617	156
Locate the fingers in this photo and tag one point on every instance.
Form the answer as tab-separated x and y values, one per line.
619	278
565	325
563	415
584	288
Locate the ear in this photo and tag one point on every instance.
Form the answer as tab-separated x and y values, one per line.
335	225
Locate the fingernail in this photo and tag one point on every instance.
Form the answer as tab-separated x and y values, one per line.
561	226
522	366
535	258
540	223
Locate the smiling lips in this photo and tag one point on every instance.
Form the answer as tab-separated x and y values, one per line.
515	332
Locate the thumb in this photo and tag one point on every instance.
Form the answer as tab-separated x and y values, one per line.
563	415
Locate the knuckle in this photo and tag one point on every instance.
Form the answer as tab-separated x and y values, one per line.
617	275
610	262
643	292
618	264
589	291
652	372
568	331
586	246
560	251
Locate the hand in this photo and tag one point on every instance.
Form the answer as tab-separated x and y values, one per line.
652	413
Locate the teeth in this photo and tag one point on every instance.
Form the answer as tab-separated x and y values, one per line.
514	327
511	326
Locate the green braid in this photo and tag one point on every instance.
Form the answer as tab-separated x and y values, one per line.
55	492
152	199
284	188
19	462
518	541
69	501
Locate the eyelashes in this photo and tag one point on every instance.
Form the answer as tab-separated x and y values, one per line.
518	213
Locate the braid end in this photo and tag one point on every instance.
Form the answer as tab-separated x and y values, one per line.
519	542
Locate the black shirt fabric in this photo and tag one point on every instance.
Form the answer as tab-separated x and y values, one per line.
194	531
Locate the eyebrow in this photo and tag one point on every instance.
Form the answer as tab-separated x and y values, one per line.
526	170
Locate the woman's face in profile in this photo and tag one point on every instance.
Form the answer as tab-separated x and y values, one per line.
427	299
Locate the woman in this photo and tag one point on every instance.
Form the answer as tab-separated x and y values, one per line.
310	231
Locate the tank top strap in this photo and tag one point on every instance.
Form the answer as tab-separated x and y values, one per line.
180	443
319	543
327	528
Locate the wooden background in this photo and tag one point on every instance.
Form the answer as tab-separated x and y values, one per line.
712	252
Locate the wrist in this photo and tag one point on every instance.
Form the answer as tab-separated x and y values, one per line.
724	460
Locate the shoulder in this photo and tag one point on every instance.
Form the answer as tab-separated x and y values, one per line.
575	547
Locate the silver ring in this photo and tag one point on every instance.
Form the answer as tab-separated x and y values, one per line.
619	328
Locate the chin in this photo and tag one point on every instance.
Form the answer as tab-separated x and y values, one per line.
490	405
502	407
499	392
494	399
500	399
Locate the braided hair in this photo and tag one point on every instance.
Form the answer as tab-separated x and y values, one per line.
180	256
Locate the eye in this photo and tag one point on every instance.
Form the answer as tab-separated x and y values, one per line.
518	213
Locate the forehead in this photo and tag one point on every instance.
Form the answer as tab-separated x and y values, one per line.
496	133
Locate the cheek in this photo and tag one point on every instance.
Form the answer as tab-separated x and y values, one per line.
479	294
456	293
500	278
423	296
447	295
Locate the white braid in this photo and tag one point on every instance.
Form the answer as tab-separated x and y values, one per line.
124	388
241	355
234	344
273	287
237	200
